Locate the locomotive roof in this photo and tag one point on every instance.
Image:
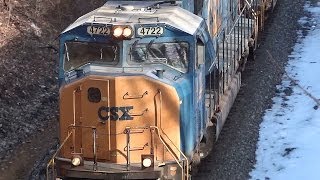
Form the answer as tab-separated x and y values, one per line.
133	12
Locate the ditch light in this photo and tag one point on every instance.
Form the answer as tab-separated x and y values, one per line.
122	32
77	160
147	161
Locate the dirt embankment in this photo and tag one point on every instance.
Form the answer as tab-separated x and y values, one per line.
28	78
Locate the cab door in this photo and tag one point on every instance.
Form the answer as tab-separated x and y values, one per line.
199	86
95	102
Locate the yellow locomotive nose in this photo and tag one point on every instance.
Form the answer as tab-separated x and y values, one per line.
114	107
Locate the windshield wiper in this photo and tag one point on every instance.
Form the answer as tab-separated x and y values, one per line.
101	53
135	43
150	44
115	49
65	44
148	47
133	46
163	2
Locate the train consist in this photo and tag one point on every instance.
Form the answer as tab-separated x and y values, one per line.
146	86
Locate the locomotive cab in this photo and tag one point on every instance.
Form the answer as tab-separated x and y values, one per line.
147	54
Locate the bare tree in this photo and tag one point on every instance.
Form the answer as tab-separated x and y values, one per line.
9	4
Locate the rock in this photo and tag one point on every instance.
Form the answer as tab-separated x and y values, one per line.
42	86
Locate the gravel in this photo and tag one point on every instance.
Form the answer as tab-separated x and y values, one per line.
233	156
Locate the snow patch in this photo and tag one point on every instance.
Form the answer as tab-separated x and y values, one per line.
288	146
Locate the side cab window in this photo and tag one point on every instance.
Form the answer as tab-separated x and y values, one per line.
200	53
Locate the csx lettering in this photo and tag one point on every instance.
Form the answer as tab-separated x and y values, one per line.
112	113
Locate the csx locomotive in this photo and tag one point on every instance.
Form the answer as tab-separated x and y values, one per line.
145	86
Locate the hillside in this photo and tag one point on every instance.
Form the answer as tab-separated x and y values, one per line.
28	77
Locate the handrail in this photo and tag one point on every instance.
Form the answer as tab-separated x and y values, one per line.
127	96
165	144
238	18
94	135
141	114
127	130
95	158
51	162
70	128
184	167
173	153
236	23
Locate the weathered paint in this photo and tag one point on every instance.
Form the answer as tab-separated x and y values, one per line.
154	104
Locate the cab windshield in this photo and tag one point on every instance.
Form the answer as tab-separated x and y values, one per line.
81	53
172	54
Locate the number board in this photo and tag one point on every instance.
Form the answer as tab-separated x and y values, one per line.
99	30
150	31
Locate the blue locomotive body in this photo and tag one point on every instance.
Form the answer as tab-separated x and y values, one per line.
195	48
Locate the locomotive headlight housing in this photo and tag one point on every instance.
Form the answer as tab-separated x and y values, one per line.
117	31
127	32
77	160
122	32
147	161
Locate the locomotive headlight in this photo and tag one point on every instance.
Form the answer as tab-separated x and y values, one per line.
76	161
146	162
127	32
117	32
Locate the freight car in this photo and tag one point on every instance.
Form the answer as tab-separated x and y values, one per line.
146	86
